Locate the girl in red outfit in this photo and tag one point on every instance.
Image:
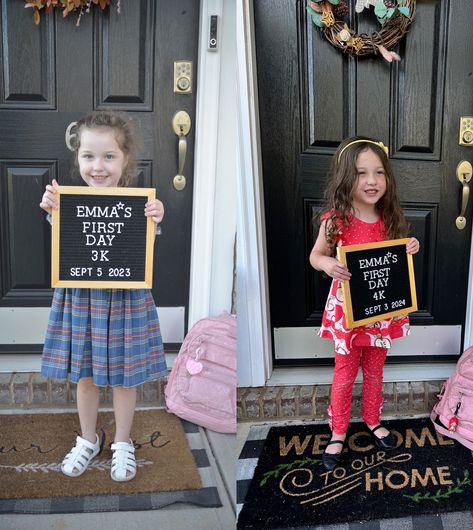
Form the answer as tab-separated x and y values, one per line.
363	208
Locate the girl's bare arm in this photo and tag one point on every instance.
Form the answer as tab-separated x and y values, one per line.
321	260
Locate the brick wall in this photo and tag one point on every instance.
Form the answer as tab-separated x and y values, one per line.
311	401
32	390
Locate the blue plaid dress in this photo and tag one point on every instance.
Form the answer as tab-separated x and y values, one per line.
111	335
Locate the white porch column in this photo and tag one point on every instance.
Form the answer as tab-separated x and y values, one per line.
254	338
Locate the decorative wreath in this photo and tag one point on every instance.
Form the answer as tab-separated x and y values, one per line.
394	16
67	6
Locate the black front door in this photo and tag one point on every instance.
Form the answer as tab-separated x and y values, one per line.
54	73
311	96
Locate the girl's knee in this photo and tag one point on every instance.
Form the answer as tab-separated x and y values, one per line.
122	391
86	383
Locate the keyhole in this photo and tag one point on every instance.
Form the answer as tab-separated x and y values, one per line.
179	182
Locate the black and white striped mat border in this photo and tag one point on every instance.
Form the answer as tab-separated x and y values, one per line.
207	496
246	466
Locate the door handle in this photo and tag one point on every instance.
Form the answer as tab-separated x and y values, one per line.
181	124
464	172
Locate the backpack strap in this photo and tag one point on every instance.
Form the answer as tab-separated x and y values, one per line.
445	432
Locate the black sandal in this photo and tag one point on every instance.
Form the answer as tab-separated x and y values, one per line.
330	461
387	442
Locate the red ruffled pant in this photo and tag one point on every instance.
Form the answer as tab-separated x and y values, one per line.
346	370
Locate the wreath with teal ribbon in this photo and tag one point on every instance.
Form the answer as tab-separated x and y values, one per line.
332	16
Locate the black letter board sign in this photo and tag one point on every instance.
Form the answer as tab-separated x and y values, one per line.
382	283
102	239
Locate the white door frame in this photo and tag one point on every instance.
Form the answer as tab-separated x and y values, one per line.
214	204
254	332
205	168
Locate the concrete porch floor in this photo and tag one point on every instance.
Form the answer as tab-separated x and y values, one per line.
221	449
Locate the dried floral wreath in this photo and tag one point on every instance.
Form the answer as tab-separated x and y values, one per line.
394	16
83	6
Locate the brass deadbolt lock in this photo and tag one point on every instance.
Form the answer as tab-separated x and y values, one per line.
183	77
468	137
466	130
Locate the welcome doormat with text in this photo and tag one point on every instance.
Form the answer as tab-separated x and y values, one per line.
426	473
170	456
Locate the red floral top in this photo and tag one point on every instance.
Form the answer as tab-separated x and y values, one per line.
333	327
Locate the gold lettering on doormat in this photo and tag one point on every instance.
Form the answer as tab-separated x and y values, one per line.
294	442
291	481
359	442
398	479
340	482
314	489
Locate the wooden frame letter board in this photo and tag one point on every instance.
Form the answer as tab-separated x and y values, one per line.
382	283
102	239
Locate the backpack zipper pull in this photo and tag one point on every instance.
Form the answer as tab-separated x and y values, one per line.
453	423
194	366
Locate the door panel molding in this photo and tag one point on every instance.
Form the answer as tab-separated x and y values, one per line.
28	79
416	133
25	233
125	68
325	125
423	219
316	282
144	177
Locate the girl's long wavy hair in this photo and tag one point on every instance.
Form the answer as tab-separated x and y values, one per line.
125	134
339	194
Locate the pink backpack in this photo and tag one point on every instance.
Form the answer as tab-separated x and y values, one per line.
202	384
452	416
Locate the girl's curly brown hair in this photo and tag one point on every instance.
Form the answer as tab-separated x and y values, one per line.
339	194
125	134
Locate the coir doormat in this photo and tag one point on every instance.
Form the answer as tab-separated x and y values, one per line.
427	473
170	456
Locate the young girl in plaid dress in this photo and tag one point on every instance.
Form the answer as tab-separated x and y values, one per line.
102	337
363	208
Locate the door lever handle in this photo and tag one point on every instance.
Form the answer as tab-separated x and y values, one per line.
181	124
182	151
464	173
